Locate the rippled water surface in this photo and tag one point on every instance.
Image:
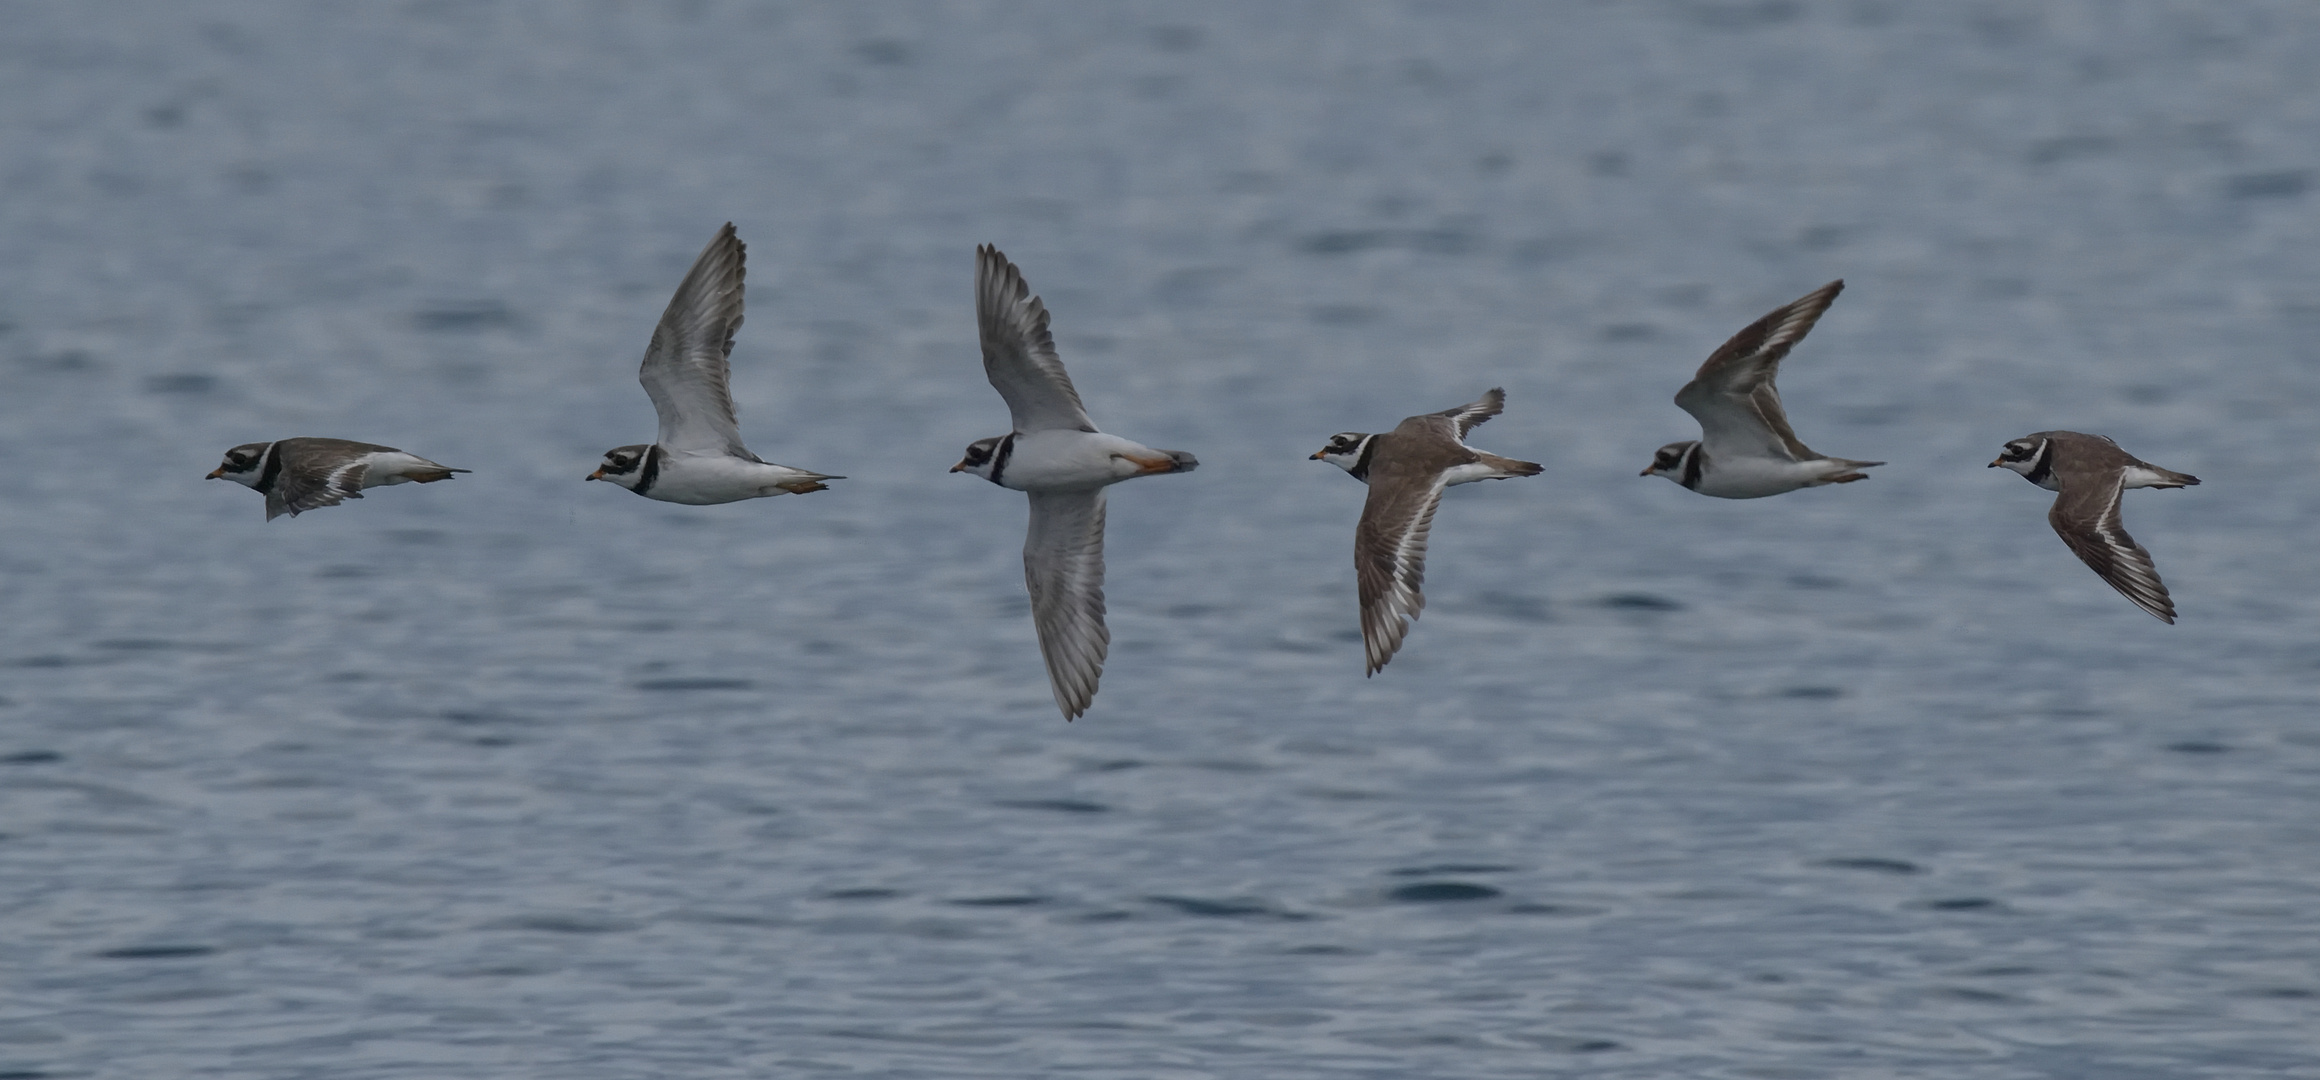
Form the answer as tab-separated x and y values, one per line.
523	777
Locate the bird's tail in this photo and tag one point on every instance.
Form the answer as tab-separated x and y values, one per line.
811	481
1851	472
1507	466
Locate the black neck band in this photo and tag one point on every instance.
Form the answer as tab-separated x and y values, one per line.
652	470
999	457
1360	468
2044	467
265	484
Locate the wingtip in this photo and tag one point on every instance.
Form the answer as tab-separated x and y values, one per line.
999	280
2157	604
1372	663
730	236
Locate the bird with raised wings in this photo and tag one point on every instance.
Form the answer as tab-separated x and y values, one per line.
1407	470
1057	457
698	457
1746	450
2089	473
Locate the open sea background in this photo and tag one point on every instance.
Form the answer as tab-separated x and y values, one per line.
523	777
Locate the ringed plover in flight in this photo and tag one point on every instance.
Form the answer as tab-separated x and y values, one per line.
2090	472
1746	449
698	458
1055	455
297	475
1407	470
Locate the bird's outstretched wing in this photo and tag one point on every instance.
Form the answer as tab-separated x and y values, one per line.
1469	417
1389	563
686	370
1063	565
2087	518
309	474
1019	352
1732	395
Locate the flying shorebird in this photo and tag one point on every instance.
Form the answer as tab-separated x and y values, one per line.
1746	449
2090	472
1407	469
297	475
1056	455
698	458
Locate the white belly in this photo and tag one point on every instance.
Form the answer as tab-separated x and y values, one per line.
387	468
1756	477
1059	460
706	480
1471	472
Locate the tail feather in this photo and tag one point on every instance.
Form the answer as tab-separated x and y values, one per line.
1849	472
1507	466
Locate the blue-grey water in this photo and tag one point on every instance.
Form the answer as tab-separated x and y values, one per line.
518	776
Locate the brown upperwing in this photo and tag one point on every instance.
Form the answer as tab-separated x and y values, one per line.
1389	545
1759	349
2086	515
